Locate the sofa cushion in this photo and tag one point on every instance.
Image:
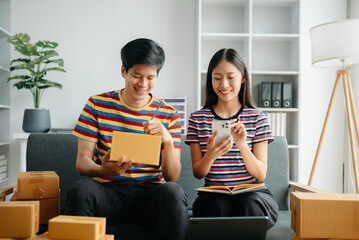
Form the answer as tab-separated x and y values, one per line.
187	181
54	152
281	230
277	179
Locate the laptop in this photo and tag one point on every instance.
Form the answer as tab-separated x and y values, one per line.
213	228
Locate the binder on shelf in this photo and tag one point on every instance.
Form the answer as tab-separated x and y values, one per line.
287	101
265	91
2	156
276	94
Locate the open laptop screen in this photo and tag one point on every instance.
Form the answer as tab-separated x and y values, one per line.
211	228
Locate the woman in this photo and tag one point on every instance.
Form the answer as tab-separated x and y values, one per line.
239	159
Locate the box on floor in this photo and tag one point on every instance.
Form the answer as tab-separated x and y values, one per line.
325	215
49	207
45	236
76	227
19	219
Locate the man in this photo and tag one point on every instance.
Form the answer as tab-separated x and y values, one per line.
122	191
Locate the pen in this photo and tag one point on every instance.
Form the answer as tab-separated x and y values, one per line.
158	108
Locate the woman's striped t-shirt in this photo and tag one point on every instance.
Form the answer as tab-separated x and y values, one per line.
229	169
107	112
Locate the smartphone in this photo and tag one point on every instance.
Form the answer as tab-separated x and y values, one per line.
223	128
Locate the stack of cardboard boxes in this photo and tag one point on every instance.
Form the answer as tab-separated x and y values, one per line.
35	202
41	186
325	216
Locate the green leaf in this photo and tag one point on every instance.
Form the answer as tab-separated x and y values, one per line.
24	84
50	53
25	60
22	77
48	84
53	69
19	39
20	66
46	44
60	62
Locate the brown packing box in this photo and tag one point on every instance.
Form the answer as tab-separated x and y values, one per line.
49	207
325	215
77	228
36	185
142	148
19	219
298	238
45	236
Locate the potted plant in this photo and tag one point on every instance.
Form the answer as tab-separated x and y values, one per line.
39	58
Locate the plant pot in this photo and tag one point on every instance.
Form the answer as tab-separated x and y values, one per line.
36	120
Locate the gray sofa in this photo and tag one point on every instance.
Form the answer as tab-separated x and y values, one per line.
57	152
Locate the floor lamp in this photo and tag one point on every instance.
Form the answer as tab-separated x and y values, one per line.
336	44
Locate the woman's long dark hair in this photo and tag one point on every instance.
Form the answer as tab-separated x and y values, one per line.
232	56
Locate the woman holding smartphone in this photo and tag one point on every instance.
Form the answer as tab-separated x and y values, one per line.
240	158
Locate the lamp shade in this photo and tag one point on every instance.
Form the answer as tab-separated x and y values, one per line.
335	42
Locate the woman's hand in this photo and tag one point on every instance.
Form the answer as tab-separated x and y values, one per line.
214	150
155	127
239	132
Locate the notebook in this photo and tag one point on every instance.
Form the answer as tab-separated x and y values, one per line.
142	148
213	228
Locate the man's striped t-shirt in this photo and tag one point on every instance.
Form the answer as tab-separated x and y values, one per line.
107	112
229	169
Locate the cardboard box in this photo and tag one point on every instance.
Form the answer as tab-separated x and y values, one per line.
19	219
298	238
49	207
142	148
37	185
325	215
45	236
77	228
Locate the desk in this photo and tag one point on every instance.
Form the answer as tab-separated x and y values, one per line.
23	144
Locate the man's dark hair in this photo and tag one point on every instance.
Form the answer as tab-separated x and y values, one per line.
142	51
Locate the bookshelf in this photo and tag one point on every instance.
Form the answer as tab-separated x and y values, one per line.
4	89
266	34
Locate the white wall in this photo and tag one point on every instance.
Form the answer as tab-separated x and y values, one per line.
353	12
316	89
90	34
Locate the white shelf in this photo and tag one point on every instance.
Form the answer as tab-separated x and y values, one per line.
224	36
291	146
266	33
279	109
274	37
5	23
4	33
4	180
4	106
275	72
2	69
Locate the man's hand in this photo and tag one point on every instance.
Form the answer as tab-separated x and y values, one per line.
112	168
155	127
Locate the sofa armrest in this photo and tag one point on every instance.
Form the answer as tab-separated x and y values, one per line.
300	187
6	190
